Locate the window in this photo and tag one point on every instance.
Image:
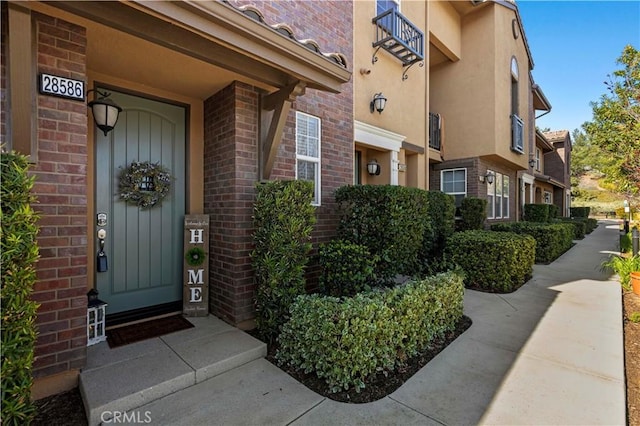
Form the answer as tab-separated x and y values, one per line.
517	125
454	182
308	151
538	159
384	5
547	197
498	197
514	86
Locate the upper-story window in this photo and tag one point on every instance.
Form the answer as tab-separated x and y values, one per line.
384	5
308	151
538	155
517	124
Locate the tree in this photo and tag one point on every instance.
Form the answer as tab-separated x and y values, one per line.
615	128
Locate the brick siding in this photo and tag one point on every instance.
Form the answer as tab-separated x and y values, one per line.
61	189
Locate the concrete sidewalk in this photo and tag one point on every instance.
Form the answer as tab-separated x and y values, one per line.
549	353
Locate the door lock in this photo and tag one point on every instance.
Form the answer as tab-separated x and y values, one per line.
101	261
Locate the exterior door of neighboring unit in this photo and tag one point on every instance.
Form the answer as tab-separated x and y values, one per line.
143	246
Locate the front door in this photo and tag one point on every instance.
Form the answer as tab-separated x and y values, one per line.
143	245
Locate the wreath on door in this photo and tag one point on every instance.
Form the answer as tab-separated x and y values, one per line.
144	184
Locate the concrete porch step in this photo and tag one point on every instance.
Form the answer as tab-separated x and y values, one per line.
122	379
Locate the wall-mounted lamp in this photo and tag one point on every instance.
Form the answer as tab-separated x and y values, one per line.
105	111
378	103
489	177
532	162
373	168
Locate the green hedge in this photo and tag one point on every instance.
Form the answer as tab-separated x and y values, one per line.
536	212
441	213
345	341
346	268
19	252
473	212
554	211
591	224
493	261
389	220
580	211
283	220
579	227
552	239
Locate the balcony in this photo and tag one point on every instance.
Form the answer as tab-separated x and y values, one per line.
398	36
435	131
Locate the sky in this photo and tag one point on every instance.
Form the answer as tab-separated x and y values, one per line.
574	45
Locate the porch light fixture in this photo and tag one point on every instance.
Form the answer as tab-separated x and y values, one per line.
373	168
105	111
532	163
378	103
96	318
489	177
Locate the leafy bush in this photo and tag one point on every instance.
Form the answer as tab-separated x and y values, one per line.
552	239
474	213
283	220
623	267
579	211
579	227
19	252
553	211
347	340
493	261
591	225
536	212
441	211
389	220
347	268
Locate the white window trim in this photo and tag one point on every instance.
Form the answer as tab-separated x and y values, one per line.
465	181
504	196
538	159
317	185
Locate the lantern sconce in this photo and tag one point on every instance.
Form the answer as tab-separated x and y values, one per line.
378	103
105	111
373	168
532	162
96	318
487	178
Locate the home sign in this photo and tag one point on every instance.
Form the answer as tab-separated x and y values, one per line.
195	294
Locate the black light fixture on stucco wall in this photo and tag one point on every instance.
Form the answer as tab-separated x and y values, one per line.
378	103
105	111
373	168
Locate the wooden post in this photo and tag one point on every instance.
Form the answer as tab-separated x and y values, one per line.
195	294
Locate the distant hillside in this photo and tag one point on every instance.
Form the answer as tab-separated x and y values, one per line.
592	193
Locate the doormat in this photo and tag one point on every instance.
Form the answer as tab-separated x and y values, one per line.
146	330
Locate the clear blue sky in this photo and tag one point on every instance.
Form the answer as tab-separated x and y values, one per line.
575	45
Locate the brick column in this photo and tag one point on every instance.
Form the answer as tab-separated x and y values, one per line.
61	189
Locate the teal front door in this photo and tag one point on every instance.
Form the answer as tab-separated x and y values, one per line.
143	246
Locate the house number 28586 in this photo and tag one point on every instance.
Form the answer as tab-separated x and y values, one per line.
61	86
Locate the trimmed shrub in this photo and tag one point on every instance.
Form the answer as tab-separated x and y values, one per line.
579	211
553	212
441	214
552	239
389	220
347	268
493	261
474	213
347	340
19	252
536	212
283	220
591	225
579	227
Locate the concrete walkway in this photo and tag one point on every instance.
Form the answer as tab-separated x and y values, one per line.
549	353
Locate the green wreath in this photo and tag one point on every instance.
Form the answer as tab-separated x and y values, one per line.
144	184
195	256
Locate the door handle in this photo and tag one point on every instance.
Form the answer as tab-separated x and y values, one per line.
101	261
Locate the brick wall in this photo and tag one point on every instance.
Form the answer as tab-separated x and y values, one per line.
231	163
61	189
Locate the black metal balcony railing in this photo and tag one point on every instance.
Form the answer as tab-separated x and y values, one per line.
398	36
435	131
517	134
